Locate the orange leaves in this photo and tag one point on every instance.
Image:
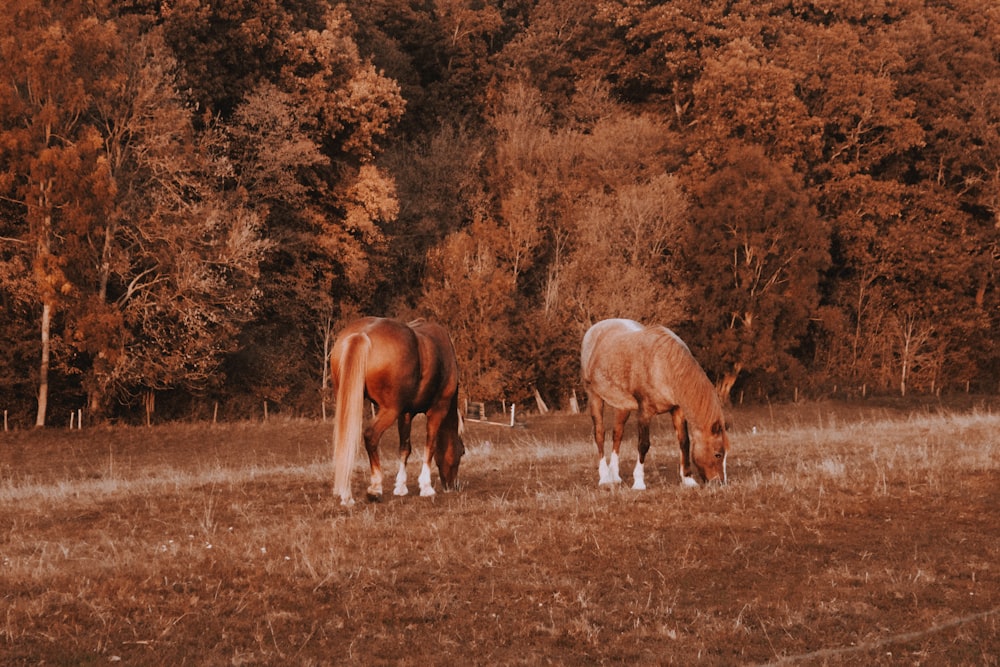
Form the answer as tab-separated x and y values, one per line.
369	105
371	199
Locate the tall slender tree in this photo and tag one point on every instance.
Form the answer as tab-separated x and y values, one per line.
57	64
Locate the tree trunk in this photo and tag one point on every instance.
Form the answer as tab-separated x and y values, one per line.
725	388
43	369
95	402
725	385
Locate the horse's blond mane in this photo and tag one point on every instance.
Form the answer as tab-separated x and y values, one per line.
701	404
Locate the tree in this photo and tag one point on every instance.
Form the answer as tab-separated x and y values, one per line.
148	266
304	113
468	291
189	182
624	259
663	48
558	47
930	289
756	253
745	95
441	54
952	74
58	65
440	191
584	224
18	335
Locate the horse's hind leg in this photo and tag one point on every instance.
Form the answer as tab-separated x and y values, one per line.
595	404
372	436
404	423
684	440
621	416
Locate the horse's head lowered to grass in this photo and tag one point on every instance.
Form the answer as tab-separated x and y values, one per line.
449	449
708	451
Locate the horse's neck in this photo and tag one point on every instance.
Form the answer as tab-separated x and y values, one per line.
688	386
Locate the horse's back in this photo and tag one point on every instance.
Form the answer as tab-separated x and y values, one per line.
437	354
390	339
623	361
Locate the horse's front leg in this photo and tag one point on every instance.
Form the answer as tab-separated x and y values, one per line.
426	487
435	418
621	416
372	436
684	441
404	423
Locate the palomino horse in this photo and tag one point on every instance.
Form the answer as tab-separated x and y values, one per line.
650	370
405	369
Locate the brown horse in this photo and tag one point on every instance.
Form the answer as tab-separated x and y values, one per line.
405	369
650	370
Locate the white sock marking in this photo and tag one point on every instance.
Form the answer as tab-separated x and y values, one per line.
401	489
639	477
603	471
613	466
425	481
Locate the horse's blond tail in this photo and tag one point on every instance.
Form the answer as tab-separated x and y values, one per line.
350	412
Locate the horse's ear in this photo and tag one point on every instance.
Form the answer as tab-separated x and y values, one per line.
717	427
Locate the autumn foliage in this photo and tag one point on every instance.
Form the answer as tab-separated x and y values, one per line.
194	196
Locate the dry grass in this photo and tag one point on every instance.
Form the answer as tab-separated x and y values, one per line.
847	536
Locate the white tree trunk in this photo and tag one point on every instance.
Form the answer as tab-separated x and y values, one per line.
43	369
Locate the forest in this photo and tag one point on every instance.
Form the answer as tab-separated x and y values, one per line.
196	195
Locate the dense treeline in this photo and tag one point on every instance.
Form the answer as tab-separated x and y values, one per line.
194	196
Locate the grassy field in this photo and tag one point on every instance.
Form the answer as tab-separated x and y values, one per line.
848	535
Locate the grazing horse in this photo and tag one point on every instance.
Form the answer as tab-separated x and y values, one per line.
651	370
405	369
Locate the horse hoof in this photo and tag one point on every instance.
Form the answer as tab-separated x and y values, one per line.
639	486
346	502
400	491
689	481
374	497
427	491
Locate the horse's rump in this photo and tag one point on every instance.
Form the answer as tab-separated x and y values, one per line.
606	361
